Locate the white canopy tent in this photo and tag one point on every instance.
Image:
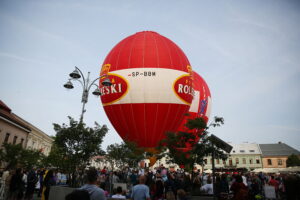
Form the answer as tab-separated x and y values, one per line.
268	170
291	169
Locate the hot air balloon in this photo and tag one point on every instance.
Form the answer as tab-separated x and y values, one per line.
200	108
151	87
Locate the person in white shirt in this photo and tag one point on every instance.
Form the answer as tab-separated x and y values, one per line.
58	178
208	188
244	179
119	194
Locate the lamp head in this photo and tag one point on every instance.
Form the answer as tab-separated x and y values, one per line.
96	92
75	74
106	82
69	85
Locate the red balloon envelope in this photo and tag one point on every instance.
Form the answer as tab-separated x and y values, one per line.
151	87
200	107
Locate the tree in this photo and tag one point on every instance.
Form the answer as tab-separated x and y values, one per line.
181	148
11	154
293	160
56	158
31	158
75	145
126	154
17	156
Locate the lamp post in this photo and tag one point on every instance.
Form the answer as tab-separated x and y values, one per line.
86	85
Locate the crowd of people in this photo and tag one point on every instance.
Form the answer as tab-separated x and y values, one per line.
143	184
22	184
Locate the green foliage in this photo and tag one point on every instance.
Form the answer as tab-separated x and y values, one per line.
12	154
181	148
55	158
75	144
31	158
124	154
293	160
17	156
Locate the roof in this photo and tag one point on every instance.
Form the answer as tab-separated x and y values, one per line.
6	114
3	106
278	149
34	127
245	148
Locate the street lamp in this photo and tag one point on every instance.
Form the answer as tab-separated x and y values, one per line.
86	85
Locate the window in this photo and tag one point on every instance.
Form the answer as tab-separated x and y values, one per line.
233	151
211	161
279	162
237	161
224	162
244	160
22	141
15	139
242	151
250	161
257	161
218	161
252	151
205	161
6	137
269	162
230	162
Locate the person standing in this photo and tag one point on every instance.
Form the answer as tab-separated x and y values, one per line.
41	174
4	184
94	191
140	191
48	182
159	187
32	179
119	194
58	178
240	190
17	185
208	188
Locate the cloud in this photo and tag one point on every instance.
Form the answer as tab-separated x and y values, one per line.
19	58
260	25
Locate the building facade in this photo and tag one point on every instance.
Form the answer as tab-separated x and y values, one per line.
12	130
276	155
15	130
37	139
242	156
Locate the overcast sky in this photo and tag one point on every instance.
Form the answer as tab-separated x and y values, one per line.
247	51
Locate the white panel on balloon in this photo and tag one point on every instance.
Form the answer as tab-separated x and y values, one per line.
195	103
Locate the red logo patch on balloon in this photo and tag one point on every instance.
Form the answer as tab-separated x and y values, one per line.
183	88
115	92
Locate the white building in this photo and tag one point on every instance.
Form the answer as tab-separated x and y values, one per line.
245	155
